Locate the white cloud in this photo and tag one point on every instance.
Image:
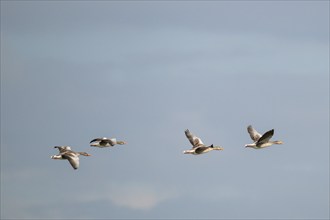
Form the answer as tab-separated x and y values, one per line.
138	196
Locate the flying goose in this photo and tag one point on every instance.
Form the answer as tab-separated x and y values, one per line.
105	142
198	146
67	154
261	141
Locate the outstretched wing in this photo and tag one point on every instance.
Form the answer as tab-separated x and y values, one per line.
74	161
194	140
63	149
266	137
72	158
253	133
96	139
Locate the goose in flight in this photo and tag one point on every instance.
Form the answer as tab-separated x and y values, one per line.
67	154
198	146
105	142
261	141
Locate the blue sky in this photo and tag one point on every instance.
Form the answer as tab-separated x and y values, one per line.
143	72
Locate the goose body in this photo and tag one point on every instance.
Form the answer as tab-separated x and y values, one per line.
261	141
67	154
198	146
105	142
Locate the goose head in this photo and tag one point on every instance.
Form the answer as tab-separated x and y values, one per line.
217	147
278	142
84	154
121	142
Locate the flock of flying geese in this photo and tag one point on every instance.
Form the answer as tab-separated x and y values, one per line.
198	147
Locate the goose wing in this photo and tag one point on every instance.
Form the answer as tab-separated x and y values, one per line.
253	133
194	140
63	149
266	137
67	148
96	139
73	159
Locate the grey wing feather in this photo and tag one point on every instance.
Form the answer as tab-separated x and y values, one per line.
194	140
67	148
266	137
62	149
253	133
96	139
74	161
72	157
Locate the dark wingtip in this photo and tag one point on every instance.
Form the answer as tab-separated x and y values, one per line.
271	132
93	140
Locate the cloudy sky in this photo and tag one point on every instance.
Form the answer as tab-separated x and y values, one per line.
143	72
